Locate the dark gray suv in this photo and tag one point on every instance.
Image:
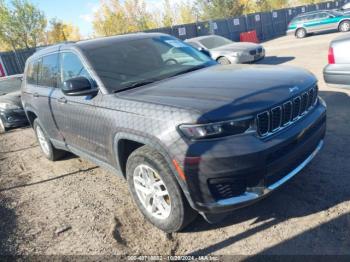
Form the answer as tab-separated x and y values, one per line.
188	134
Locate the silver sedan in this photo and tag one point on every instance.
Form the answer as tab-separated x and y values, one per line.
226	51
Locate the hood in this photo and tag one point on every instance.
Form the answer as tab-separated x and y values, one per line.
223	92
13	98
234	47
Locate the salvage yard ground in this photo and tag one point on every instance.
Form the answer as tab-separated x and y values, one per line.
74	207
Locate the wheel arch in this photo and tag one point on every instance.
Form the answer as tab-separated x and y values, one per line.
343	20
122	139
126	143
31	115
300	27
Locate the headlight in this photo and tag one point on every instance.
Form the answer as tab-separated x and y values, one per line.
220	129
8	106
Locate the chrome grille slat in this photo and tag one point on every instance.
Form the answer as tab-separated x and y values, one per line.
279	117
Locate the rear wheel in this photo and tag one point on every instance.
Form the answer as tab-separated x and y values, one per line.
156	191
49	151
344	26
224	61
300	33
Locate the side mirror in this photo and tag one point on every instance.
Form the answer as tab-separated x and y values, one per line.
204	51
78	86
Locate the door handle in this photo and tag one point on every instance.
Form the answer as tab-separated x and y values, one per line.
62	100
36	95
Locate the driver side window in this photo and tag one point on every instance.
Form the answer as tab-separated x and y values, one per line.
71	67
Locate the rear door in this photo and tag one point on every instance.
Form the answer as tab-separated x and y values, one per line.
312	23
47	83
41	80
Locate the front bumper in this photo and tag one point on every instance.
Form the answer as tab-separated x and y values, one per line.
13	118
247	58
231	173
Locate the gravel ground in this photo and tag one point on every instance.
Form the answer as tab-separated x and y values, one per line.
73	207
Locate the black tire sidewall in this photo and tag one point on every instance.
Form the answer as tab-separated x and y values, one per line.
175	221
37	124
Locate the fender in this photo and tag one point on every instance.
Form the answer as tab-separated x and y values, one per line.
156	144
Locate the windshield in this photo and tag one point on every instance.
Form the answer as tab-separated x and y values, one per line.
214	42
132	63
8	85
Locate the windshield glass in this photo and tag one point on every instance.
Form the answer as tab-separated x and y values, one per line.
9	85
132	63
214	42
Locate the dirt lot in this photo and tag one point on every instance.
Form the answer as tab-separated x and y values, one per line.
74	207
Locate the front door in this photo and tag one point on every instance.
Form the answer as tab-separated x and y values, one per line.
77	116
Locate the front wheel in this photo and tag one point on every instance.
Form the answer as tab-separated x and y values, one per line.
156	191
344	26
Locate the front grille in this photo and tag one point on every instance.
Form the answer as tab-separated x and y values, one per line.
276	118
281	116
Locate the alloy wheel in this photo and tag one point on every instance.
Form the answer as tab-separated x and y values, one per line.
152	192
2	126
345	27
42	141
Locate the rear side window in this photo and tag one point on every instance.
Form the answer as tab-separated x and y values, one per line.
49	71
321	16
32	73
71	67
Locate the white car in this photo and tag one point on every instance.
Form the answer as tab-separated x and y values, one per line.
345	8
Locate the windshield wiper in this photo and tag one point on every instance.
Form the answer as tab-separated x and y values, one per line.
137	84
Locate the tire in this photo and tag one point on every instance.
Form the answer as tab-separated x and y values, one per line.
300	33
2	126
49	151
175	212
224	61
344	26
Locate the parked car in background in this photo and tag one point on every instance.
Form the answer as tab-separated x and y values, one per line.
11	111
226	51
345	8
190	137
337	72
318	21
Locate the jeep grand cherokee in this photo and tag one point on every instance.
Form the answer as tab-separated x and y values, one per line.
190	136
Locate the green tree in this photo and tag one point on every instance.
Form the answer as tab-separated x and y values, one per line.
120	17
168	14
187	12
214	9
139	18
60	32
22	25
